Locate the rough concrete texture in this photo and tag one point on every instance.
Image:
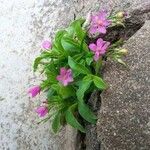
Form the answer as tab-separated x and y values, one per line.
18	47
138	12
24	24
124	122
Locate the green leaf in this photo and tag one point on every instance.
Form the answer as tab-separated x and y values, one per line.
75	29
45	84
50	93
45	55
56	122
80	21
85	46
98	66
77	67
99	83
59	35
66	91
36	63
38	60
55	87
77	32
89	60
84	85
70	45
89	57
63	91
56	98
54	54
84	110
51	68
58	38
77	25
51	74
70	119
77	57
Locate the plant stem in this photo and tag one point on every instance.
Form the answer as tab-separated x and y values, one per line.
98	66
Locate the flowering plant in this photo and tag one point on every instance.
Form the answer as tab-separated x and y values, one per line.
71	65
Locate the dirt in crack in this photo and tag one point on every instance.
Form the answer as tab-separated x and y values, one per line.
116	33
89	140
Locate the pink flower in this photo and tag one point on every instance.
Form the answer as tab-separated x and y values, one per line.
99	48
34	91
65	76
46	44
42	111
99	23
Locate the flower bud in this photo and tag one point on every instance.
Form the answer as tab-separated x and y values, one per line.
41	111
121	14
123	51
120	23
34	91
88	20
121	62
46	44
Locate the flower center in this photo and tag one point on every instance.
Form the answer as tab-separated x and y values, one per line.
65	77
98	49
100	22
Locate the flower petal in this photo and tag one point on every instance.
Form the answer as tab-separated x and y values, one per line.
93	47
65	76
93	29
102	14
102	30
105	46
94	19
100	42
65	82
41	111
106	22
63	71
59	77
96	57
46	44
34	91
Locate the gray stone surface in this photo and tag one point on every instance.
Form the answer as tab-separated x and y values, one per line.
24	24
124	118
129	5
18	48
